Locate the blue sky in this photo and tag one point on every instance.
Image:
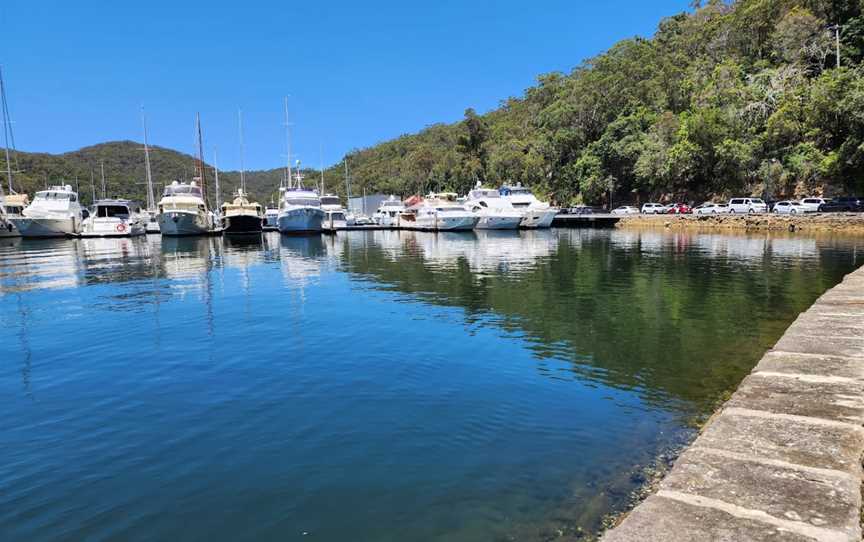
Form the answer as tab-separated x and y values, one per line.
357	73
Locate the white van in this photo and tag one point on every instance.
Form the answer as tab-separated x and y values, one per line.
747	205
812	205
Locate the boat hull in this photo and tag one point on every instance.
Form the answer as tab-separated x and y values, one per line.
499	222
447	223
179	223
302	220
113	228
46	227
241	224
538	218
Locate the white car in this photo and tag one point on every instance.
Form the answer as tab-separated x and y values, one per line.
788	207
812	205
625	210
653	209
709	208
747	205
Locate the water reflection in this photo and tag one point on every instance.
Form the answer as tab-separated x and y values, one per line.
436	387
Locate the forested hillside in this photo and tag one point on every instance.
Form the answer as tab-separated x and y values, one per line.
730	98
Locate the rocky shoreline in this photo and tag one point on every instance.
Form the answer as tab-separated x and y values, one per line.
839	223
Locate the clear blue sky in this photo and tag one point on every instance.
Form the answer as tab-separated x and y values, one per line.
357	72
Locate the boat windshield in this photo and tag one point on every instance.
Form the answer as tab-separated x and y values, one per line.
52	195
330	200
182	190
303	202
484	194
337	216
120	211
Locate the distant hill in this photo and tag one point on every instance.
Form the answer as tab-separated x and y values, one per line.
125	174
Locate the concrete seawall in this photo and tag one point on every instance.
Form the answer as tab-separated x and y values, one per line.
782	459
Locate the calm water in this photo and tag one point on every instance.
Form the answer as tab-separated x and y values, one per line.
373	385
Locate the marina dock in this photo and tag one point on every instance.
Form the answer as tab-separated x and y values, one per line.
782	458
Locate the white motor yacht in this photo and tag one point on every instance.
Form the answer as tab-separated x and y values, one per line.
182	210
299	211
113	218
495	212
537	214
335	216
438	212
55	212
388	212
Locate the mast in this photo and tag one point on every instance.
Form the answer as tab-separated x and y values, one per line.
289	177
347	185
7	132
92	187
321	156
202	174
102	165
151	198
242	170
216	179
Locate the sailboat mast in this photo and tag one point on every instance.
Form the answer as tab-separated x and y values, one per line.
92	187
151	197
289	177
216	179
7	131
102	166
321	157
242	170
347	183
201	172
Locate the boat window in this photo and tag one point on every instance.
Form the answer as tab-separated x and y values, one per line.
307	202
520	204
112	211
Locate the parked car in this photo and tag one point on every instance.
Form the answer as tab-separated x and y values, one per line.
678	209
653	209
787	207
711	208
625	210
846	204
812	205
747	205
581	210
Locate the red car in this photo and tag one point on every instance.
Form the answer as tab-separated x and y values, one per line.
679	209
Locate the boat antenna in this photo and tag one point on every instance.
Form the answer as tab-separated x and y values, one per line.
216	178
102	165
8	136
288	177
242	171
151	198
200	164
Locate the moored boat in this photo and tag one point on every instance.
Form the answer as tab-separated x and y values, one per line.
388	212
55	212
495	212
536	213
182	210
242	216
113	218
438	212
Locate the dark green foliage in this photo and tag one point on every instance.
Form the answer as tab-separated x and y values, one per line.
733	98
